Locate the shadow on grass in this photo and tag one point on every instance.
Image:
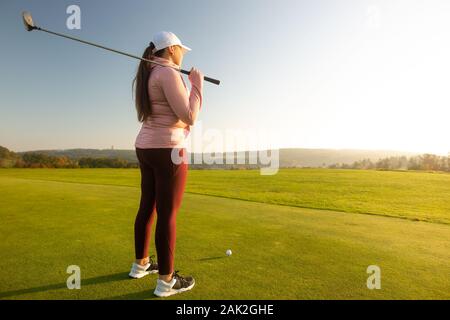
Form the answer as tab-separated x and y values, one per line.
211	258
146	294
84	282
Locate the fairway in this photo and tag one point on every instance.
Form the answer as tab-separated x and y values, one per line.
300	234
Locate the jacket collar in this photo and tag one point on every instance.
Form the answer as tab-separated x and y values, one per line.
163	61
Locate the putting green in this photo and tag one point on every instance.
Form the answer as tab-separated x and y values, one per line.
279	251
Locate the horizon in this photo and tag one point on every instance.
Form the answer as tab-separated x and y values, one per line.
285	148
354	75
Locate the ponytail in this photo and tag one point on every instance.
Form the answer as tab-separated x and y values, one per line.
140	83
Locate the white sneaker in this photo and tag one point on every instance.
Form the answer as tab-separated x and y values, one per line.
176	285
138	271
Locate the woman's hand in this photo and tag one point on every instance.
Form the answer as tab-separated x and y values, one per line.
195	76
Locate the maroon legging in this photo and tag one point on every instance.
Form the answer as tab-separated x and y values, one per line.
162	187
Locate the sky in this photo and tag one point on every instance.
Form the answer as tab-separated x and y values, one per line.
348	74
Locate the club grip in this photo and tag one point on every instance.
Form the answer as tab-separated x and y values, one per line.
215	81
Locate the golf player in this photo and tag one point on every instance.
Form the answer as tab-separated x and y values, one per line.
167	110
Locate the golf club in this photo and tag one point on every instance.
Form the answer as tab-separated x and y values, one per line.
30	26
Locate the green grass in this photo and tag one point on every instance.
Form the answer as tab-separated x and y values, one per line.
55	218
412	195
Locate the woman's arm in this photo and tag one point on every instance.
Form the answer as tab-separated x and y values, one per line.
185	107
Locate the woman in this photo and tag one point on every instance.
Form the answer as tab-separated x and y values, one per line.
167	110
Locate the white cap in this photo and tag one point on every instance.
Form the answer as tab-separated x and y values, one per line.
164	39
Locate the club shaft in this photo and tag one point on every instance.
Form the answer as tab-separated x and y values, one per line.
215	81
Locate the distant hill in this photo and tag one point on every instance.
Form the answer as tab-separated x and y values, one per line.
75	154
323	157
291	157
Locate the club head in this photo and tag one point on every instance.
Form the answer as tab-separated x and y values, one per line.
28	21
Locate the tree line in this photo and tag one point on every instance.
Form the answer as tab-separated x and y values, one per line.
427	162
8	159
41	160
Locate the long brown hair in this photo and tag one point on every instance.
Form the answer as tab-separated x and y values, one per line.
140	83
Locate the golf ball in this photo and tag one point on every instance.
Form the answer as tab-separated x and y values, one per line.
228	252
